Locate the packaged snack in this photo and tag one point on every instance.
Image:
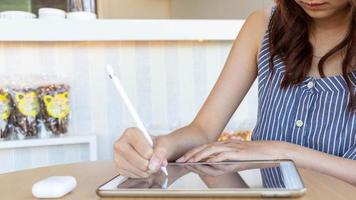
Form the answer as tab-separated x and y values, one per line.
55	107
25	117
235	135
5	113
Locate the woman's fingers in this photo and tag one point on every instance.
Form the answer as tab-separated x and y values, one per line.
123	172
191	153
132	152
158	159
134	158
225	155
207	152
139	143
125	165
211	152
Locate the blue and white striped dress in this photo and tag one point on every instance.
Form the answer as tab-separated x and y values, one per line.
313	114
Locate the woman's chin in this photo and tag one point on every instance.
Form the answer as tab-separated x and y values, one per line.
319	14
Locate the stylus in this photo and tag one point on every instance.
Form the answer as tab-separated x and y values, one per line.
165	184
129	105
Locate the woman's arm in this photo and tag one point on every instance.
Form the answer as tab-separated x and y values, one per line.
135	157
341	168
239	73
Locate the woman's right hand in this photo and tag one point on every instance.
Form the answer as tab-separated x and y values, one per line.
134	156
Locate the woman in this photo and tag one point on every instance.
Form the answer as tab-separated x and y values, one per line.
303	53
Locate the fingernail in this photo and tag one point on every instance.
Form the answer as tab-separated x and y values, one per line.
181	159
154	163
165	163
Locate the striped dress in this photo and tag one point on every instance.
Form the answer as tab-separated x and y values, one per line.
313	114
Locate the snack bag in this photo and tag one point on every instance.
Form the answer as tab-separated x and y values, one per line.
235	135
55	107
26	112
5	113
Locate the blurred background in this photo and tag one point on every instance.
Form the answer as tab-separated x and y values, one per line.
168	60
150	9
179	9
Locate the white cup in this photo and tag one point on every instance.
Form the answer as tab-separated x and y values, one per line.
17	15
51	13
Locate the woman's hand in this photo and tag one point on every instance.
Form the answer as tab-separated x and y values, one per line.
135	158
237	150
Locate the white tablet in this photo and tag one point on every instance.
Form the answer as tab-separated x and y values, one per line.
276	178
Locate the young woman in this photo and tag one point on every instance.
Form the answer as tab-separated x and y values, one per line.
303	53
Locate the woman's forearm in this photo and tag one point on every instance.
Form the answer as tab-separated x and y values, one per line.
341	168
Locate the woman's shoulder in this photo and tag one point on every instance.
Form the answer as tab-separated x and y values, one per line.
257	24
262	15
260	18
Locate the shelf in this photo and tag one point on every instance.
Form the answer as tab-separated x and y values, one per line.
52	141
118	30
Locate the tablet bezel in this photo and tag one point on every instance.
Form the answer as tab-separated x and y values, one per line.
215	192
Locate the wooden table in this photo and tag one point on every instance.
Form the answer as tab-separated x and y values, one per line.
90	175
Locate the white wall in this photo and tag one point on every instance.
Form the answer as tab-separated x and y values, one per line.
14	159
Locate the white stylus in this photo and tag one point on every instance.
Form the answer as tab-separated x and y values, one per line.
129	105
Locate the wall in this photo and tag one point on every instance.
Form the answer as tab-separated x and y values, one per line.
134	9
215	9
179	9
24	158
167	81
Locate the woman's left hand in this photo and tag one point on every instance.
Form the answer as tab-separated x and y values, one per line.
237	150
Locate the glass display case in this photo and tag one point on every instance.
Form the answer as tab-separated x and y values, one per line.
34	5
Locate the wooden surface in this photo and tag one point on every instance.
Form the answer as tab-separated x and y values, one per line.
92	174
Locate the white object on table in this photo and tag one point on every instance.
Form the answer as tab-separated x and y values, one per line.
17	15
51	13
54	187
129	105
81	15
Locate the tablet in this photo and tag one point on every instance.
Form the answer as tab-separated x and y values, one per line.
273	178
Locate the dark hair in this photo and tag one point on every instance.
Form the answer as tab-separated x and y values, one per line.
289	38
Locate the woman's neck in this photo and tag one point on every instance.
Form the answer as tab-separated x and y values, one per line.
328	32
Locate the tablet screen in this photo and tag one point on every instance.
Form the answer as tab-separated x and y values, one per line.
228	175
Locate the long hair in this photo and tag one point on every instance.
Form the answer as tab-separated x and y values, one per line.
289	39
